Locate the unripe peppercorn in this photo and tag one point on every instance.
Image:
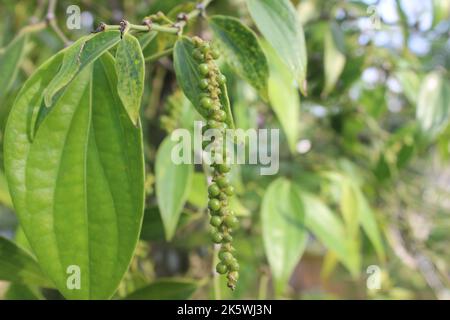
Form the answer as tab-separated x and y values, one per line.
222	79
203	69
227	238
233	265
233	276
198	55
216	236
215	221
215	54
205	47
206	103
229	190
203	84
213	190
224	168
222	182
231	222
214	204
219	115
221	268
226	257
213	124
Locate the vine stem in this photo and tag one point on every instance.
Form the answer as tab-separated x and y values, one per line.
159	55
175	28
51	21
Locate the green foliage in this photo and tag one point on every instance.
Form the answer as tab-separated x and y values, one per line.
242	51
279	24
362	177
130	67
173	182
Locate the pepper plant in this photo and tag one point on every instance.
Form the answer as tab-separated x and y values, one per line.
101	209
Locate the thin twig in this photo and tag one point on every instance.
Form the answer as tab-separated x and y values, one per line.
159	55
51	20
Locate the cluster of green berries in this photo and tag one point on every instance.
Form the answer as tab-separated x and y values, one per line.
223	220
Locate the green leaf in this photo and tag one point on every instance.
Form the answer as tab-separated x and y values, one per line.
152	226
284	97
278	22
69	68
433	104
284	235
334	57
17	265
130	66
17	291
165	289
198	194
172	186
79	187
369	224
410	83
77	56
330	231
5	198
240	47
188	77
10	60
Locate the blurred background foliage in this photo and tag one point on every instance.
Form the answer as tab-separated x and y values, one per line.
367	148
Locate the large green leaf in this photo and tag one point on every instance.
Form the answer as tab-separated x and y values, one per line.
284	235
173	182
278	22
10	61
81	53
433	105
165	289
324	224
17	265
334	57
242	51
188	76
130	67
284	97
79	187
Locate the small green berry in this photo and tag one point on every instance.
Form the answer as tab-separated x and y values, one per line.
198	55
219	115
226	257
215	54
204	83
233	276
214	204
213	190
227	238
222	182
224	168
222	79
215	221
233	265
205	47
231	222
206	103
222	196
203	69
221	268
213	124
229	190
216	236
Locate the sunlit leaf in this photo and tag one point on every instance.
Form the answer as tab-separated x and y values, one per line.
240	47
278	22
173	182
334	57
282	216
